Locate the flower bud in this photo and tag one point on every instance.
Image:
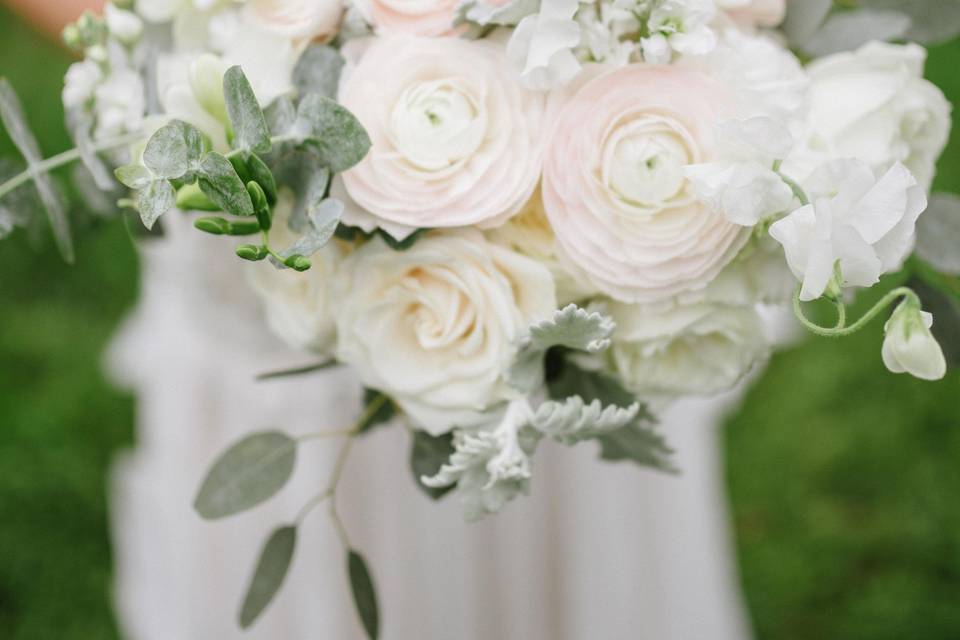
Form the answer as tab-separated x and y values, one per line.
252	252
191	198
243	227
214	225
908	345
297	262
260	205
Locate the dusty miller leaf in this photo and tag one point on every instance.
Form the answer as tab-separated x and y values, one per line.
272	567
246	474
427	454
938	233
249	125
573	420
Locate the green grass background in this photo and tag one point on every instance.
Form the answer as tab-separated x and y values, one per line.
844	478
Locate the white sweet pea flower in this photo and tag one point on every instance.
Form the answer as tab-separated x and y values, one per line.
861	223
742	184
681	26
908	345
542	45
125	26
80	83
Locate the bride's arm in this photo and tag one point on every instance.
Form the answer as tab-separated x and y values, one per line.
52	15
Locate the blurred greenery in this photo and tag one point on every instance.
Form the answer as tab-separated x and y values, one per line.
843	476
844	481
60	422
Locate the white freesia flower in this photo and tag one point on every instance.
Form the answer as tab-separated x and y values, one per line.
863	223
123	25
435	326
908	345
742	184
682	26
299	306
541	47
699	349
874	104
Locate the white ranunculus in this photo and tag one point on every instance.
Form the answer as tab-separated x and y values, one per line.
742	184
874	104
863	222
696	349
299	306
298	19
541	47
435	326
908	345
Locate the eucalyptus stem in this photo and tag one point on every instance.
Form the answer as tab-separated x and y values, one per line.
66	157
841	330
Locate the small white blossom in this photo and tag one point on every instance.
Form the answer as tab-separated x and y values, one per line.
855	220
542	45
681	26
125	26
80	83
908	345
742	184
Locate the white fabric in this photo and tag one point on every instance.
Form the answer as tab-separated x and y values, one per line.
597	551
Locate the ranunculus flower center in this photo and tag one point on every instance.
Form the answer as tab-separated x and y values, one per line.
644	162
436	124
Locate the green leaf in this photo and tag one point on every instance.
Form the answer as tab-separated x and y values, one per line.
268	577
261	174
281	115
323	221
427	454
220	182
135	176
166	153
332	132
11	114
364	595
638	441
302	172
154	201
249	125
246	474
381	416
938	233
297	371
318	71
570	327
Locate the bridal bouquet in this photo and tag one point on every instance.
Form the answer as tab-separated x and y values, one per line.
517	221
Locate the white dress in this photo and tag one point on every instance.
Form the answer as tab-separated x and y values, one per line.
597	551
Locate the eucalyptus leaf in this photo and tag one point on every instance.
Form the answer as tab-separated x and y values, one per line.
11	114
135	176
102	176
331	131
427	454
318	71
261	174
155	200
249	125
938	233
302	172
271	570
364	594
281	114
219	181
848	30
166	153
246	474
383	415
323	221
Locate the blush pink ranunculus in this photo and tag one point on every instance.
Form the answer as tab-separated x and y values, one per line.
614	189
456	139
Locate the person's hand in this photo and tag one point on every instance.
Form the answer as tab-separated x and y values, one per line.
52	15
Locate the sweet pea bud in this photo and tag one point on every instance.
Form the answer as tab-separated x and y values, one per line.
243	227
298	262
216	226
260	205
191	198
908	345
252	252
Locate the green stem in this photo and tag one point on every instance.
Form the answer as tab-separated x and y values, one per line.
796	188
68	156
841	330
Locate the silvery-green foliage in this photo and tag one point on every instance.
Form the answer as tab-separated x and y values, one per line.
330	131
219	181
847	30
302	172
318	71
15	207
11	114
510	14
154	200
135	176
803	19
490	466
570	327
269	574
80	124
932	21
166	154
250	132
280	116
938	233
573	420
323	221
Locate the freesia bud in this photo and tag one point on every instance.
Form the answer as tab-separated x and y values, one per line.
298	262
260	206
214	225
909	346
252	252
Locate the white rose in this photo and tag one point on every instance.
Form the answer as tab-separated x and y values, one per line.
456	139
299	306
908	345
689	349
435	326
874	104
298	19
861	222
